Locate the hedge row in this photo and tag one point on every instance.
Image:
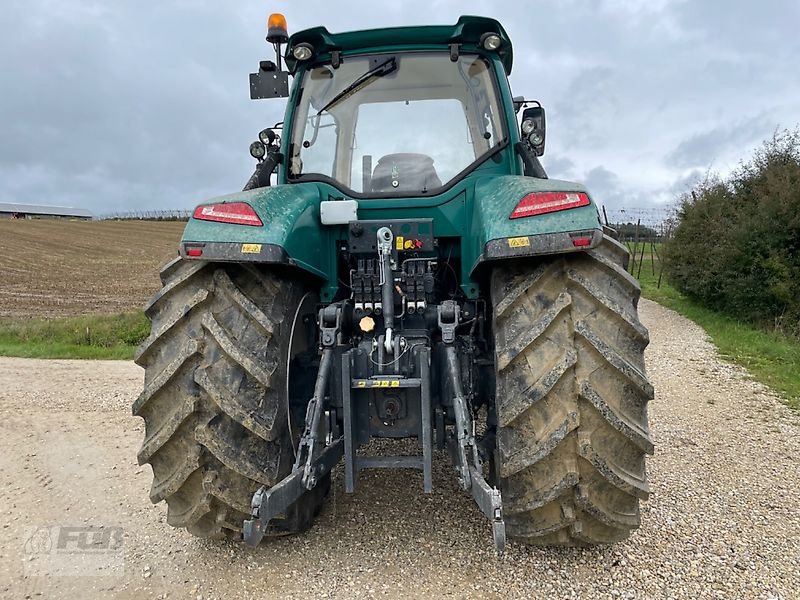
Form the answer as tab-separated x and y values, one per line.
736	246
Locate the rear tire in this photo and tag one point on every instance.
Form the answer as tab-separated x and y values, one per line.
571	397
214	398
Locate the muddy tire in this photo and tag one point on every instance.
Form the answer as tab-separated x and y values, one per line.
571	397
214	398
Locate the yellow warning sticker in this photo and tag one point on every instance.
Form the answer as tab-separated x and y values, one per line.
387	383
518	242
378	383
399	242
251	248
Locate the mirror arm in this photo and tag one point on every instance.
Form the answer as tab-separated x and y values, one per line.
264	169
533	167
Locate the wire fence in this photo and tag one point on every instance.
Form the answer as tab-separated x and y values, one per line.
643	223
643	231
148	215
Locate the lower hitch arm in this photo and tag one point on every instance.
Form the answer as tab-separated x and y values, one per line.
311	464
465	451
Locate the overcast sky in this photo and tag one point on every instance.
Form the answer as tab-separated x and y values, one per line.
117	105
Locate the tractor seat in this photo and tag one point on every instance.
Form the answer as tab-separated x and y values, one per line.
412	172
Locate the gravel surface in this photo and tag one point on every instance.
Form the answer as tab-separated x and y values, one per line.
722	521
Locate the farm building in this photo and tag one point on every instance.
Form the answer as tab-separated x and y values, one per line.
9	210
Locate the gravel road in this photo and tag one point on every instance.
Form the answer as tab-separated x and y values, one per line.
722	521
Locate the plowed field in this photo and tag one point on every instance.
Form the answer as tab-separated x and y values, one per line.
57	268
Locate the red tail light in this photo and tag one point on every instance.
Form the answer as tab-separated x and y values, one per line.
239	213
539	203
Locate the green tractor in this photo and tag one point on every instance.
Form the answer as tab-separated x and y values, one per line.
398	266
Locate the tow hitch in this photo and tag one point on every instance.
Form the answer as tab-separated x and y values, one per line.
387	396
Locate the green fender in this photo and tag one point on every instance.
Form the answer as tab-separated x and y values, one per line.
497	236
291	234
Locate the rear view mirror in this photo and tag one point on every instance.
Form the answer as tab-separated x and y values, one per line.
533	128
269	82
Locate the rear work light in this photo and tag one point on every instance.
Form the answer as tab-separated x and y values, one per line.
239	213
539	203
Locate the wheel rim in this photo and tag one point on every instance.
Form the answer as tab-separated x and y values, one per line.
297	344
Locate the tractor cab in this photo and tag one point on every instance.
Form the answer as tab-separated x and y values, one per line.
407	118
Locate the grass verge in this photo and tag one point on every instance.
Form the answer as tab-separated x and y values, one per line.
771	357
90	337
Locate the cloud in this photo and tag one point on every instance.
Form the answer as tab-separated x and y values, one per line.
686	182
559	167
607	188
123	105
602	178
702	149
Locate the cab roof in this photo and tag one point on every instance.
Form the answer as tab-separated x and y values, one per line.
466	32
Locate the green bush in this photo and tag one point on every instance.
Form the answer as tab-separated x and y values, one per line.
736	246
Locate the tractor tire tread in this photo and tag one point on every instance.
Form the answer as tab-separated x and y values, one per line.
215	416
571	401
